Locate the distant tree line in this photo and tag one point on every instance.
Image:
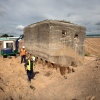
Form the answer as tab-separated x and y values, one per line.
6	35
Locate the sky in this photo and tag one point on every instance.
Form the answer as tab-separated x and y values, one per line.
17	14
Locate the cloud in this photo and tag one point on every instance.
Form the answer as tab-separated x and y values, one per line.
25	12
98	28
20	27
98	23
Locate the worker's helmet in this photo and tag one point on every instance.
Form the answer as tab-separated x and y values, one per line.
33	58
23	47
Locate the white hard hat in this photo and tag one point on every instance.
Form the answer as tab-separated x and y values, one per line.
33	58
19	39
23	47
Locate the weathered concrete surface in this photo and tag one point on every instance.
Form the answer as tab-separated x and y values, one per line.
56	41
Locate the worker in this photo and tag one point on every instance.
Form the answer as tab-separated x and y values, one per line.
29	65
23	54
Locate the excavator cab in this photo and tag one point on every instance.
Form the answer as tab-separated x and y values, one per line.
8	48
11	47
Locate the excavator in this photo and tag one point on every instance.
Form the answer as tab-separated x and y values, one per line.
10	48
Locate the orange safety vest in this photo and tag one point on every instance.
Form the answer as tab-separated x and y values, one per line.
23	52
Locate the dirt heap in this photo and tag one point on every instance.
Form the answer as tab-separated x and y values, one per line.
49	84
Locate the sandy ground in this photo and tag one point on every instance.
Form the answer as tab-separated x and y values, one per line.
48	83
92	46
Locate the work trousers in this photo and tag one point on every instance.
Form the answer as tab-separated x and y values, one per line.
23	58
30	75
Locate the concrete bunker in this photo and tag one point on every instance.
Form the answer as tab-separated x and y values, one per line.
56	41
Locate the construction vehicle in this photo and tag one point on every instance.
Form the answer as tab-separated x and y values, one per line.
10	48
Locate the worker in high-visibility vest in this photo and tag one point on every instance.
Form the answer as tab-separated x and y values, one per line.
23	54
29	66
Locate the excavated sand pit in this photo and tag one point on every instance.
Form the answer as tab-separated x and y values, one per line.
49	84
51	81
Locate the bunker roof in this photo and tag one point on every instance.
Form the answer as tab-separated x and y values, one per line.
55	22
